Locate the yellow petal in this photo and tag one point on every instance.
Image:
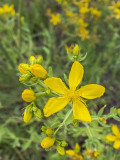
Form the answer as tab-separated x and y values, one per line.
110	138
54	105
116	145
76	75
80	111
115	129
57	85
91	91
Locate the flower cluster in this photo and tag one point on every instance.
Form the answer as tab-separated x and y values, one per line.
33	74
7	10
77	16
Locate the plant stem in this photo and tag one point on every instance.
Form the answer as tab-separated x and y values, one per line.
19	28
66	117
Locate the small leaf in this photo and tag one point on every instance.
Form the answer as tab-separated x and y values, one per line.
101	111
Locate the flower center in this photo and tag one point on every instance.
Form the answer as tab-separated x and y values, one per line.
118	136
72	95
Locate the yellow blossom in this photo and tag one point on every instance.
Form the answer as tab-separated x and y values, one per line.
91	154
27	114
38	71
72	95
23	68
7	10
55	19
28	95
95	12
83	33
47	142
114	138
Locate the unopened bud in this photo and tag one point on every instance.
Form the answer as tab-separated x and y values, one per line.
49	131
38	113
38	71
28	114
76	50
23	68
61	150
47	142
32	60
28	95
39	59
25	77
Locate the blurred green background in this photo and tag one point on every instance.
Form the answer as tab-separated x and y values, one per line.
37	36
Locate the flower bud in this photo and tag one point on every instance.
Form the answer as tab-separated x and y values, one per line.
102	120
64	144
28	95
61	150
76	50
38	71
32	60
25	77
23	68
27	114
39	59
77	148
47	142
38	113
44	128
49	131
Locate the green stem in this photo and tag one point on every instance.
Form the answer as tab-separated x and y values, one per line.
40	94
66	117
19	27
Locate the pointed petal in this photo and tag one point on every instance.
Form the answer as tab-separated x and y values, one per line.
115	129
76	75
110	138
54	105
116	144
80	111
91	91
57	85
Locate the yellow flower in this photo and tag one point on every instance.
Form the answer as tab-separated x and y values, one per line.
7	10
55	19
47	142
96	12
38	71
28	95
23	68
80	110
27	114
114	138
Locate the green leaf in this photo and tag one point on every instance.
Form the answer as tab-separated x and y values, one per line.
101	111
